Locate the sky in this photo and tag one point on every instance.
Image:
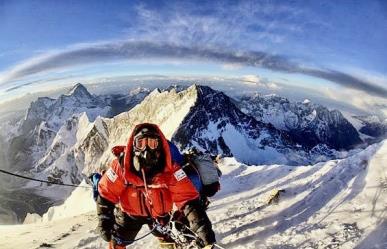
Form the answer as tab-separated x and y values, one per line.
335	48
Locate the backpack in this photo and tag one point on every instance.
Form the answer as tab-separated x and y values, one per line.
203	172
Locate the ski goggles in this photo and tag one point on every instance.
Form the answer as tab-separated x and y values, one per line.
142	142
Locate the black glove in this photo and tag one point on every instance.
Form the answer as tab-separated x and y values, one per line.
199	222
105	212
163	220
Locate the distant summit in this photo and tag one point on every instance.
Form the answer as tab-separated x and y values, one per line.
45	117
55	111
79	90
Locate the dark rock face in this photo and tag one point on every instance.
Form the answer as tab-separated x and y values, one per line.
373	126
374	130
329	128
308	124
339	133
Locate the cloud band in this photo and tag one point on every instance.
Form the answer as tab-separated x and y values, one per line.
131	50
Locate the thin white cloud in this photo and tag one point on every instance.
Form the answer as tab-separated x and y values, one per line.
359	99
258	81
243	24
252	79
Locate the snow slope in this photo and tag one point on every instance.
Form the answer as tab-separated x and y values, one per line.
335	204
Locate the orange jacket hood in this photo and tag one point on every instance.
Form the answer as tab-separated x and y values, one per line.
128	167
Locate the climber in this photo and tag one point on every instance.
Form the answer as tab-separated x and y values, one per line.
146	183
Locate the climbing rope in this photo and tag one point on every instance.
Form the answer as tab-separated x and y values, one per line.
44	181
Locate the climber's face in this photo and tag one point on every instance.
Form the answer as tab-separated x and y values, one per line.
147	151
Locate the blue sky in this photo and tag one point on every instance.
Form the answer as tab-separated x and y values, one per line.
326	45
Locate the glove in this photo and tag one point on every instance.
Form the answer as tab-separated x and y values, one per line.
104	230
199	222
105	212
163	220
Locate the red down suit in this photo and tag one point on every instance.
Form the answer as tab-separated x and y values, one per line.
122	185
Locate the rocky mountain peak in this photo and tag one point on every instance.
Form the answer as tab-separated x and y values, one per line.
56	111
45	117
79	90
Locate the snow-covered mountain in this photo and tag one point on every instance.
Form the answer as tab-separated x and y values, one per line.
56	111
308	124
198	116
333	204
44	118
65	148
